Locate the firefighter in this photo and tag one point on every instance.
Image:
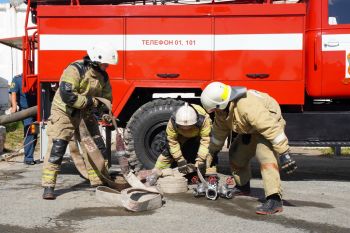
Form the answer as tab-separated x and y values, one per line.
80	82
256	119
189	124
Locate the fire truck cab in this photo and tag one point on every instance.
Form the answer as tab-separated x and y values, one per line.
297	51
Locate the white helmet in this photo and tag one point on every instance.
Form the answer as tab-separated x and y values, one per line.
186	115
103	53
216	95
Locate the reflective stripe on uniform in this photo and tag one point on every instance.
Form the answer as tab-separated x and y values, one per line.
49	175
175	151
203	152
92	173
215	141
269	166
281	137
162	165
206	130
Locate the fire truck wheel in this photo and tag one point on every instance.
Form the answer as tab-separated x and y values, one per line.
145	132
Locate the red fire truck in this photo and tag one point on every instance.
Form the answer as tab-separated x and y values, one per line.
169	50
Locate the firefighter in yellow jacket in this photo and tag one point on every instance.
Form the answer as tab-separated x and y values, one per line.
257	120
187	123
80	82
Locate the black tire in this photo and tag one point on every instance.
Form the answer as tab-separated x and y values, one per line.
145	132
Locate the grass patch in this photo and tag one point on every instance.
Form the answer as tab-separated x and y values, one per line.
14	136
329	151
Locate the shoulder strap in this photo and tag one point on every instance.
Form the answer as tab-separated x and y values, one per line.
172	119
81	67
105	75
200	117
200	120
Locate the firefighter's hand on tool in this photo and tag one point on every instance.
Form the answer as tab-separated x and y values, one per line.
288	165
91	102
107	118
199	164
182	166
95	102
152	179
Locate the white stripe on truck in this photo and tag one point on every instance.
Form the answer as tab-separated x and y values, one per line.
285	41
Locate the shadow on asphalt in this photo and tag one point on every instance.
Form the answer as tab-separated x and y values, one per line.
85	185
309	168
246	210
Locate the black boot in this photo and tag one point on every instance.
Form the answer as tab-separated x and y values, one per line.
272	205
241	190
49	193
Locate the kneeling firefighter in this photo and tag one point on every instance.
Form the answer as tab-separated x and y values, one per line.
190	125
80	82
256	118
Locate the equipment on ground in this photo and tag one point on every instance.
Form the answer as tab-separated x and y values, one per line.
137	198
208	186
213	187
173	184
226	190
200	190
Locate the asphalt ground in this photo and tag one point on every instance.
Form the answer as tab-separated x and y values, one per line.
316	199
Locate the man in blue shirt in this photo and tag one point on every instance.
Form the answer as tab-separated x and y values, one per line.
24	101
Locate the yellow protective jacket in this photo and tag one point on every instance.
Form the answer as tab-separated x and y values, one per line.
254	113
79	82
176	136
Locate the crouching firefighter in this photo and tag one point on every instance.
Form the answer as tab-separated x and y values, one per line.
80	83
256	118
188	129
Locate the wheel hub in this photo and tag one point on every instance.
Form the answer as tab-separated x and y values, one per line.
155	140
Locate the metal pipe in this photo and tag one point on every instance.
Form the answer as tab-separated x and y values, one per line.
17	116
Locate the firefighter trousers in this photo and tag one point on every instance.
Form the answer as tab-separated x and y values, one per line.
243	149
60	130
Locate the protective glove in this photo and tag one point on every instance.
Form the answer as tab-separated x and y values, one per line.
151	180
288	165
107	118
200	164
182	165
92	102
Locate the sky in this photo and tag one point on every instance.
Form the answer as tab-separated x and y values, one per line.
2	1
